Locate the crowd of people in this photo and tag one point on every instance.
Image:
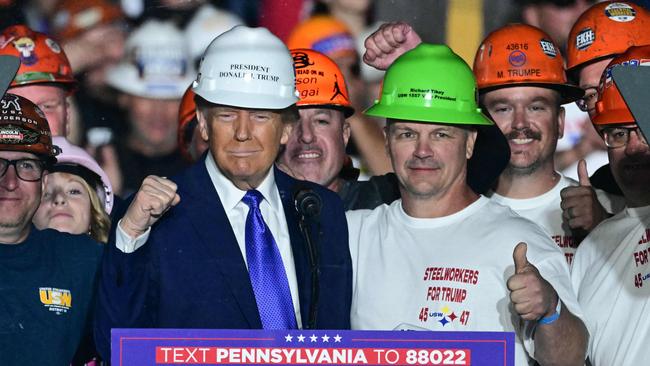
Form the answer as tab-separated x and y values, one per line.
175	168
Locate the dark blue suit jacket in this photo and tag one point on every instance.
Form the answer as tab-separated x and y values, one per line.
191	273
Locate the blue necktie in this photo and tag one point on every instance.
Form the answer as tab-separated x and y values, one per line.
266	270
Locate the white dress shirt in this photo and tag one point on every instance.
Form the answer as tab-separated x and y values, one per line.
236	211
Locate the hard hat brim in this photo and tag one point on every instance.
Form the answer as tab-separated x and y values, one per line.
245	100
430	115
569	93
124	77
348	111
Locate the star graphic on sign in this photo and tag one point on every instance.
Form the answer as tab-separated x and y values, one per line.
337	338
313	338
325	338
288	338
301	338
445	309
453	317
443	321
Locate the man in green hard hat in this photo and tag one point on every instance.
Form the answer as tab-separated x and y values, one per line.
441	258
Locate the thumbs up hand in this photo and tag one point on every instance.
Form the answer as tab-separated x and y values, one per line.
531	295
580	207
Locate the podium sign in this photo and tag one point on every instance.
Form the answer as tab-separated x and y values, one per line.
131	347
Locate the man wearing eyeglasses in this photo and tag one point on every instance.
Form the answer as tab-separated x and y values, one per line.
46	277
611	270
602	32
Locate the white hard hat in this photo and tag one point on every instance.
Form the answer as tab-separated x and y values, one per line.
207	23
157	63
248	68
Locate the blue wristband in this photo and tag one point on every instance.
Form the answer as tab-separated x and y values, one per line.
551	319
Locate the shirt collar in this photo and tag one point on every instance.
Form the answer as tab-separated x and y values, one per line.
230	195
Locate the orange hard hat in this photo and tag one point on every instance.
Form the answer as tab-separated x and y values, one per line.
520	54
324	34
607	29
186	123
42	60
319	81
611	107
73	17
23	127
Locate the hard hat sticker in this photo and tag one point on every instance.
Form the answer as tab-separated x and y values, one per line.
631	62
337	89
11	103
25	46
620	12
335	43
585	38
11	134
548	48
427	94
249	72
517	58
88	18
308	77
53	45
10	110
301	60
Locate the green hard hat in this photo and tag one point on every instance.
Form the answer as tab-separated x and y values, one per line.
430	83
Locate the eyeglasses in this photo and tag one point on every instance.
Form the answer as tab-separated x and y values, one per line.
588	101
619	136
29	170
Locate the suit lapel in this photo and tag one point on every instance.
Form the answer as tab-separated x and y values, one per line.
213	227
286	186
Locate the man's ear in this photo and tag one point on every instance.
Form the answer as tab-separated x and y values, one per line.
386	131
346	133
560	122
470	143
203	124
287	128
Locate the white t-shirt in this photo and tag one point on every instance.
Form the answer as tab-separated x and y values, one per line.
448	273
611	275
545	211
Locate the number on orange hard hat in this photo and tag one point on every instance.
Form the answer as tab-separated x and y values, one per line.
42	60
607	29
611	107
520	55
319	81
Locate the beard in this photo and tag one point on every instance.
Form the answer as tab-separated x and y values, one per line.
531	168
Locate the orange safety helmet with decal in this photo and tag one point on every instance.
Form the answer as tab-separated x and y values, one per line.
611	107
42	60
319	81
522	55
607	29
